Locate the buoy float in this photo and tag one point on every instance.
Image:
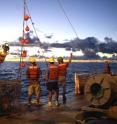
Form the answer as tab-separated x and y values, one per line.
22	64
24	53
24	41
26	17
27	28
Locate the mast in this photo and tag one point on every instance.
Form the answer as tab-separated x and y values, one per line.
23	40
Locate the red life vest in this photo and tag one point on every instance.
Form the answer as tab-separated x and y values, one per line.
53	72
62	69
33	72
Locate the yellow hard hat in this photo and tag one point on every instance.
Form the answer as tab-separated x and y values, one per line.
51	60
32	59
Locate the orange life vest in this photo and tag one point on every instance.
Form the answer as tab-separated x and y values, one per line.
2	56
62	69
53	72
33	72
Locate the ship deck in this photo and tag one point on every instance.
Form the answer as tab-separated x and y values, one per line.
63	114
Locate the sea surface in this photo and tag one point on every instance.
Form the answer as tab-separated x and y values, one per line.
10	71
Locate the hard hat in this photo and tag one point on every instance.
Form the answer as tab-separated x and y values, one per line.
51	60
60	59
32	59
5	46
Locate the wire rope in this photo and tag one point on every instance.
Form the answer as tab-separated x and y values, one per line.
64	12
73	28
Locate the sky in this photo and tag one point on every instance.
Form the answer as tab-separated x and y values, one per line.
90	18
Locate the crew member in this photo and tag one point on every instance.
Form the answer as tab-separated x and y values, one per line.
33	74
107	69
52	82
4	52
62	73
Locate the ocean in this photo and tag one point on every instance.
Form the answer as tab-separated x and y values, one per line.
10	71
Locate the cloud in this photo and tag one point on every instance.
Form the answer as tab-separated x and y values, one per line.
65	40
90	54
90	46
49	36
31	39
109	46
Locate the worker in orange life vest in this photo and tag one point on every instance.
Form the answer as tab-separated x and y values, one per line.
62	72
4	52
33	74
52	82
